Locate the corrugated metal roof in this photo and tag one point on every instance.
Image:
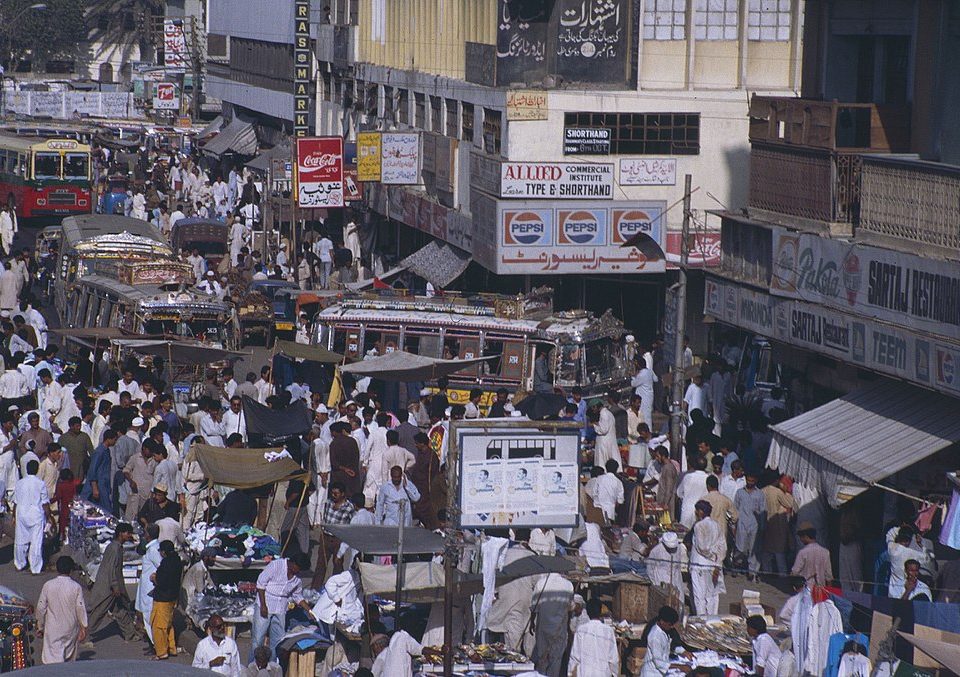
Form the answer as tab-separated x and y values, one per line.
864	436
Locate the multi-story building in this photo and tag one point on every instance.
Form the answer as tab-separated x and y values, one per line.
847	256
250	61
630	95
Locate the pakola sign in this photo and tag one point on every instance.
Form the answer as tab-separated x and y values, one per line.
556	180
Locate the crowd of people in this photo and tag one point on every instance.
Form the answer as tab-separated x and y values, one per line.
174	185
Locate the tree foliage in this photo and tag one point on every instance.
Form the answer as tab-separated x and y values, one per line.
42	34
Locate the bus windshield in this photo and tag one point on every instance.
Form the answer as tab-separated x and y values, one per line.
46	166
604	360
76	166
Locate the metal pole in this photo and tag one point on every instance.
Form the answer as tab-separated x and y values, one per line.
676	439
396	613
450	551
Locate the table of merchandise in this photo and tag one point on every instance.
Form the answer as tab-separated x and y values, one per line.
233	602
490	659
259	547
89	532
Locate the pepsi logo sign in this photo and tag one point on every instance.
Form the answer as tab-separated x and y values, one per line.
527	227
581	227
629	222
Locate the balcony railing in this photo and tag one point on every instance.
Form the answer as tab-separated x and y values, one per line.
814	184
910	202
830	125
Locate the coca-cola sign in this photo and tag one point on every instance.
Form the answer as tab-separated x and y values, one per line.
320	172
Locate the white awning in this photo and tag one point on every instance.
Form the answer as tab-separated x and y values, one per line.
848	445
237	137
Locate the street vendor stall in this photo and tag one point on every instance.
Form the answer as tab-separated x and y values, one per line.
90	531
238	548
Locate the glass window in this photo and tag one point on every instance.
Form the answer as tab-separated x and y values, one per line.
422	342
569	371
466	123
46	166
665	20
602	361
769	20
715	20
76	166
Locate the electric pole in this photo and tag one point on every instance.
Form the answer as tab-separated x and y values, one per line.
680	327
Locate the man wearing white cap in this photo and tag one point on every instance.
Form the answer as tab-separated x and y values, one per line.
210	285
665	562
323	422
417	413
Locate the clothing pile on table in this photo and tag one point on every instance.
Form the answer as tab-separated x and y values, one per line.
231	601
246	543
90	532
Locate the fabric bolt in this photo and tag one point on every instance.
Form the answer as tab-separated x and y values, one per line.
492	553
950	529
799	625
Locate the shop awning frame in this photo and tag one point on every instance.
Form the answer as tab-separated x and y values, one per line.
849	445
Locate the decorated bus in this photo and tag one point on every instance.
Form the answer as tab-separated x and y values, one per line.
583	349
45	177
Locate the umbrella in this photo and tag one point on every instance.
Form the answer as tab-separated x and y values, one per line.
405	367
540	406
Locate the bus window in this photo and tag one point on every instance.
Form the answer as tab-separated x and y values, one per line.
76	166
511	366
46	166
569	369
469	349
602	361
451	349
422	342
93	310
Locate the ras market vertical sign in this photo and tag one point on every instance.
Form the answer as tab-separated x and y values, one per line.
301	68
320	172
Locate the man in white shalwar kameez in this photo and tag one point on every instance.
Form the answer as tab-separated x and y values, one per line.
665	562
7	229
9	288
31	512
61	615
351	240
397	659
606	446
551	602
510	612
706	558
239	234
151	562
593	652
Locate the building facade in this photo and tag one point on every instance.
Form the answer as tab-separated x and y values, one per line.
847	256
553	132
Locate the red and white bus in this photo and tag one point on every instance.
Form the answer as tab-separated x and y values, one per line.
45	177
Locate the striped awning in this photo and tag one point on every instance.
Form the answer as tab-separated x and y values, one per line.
850	444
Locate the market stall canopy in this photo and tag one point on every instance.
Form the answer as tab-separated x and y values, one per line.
304	352
424	581
237	137
215	125
102	333
274	425
261	163
945	653
180	352
834	448
438	263
377	540
245	468
403	366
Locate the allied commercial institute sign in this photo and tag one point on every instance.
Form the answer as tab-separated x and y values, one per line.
301	68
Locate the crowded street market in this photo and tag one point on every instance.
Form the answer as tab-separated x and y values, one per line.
384	386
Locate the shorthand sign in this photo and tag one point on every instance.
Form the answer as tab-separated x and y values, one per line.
586	141
556	180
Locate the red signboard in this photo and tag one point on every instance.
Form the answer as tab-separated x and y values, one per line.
320	172
704	249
